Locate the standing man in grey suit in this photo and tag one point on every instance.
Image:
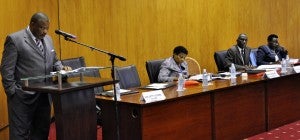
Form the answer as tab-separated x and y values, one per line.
239	54
28	53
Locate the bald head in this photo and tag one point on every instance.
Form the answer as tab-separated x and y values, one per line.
242	40
37	17
242	36
39	25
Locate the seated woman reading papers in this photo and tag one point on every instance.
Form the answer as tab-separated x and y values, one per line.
171	67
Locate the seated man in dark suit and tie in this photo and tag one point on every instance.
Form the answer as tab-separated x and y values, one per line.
272	53
239	54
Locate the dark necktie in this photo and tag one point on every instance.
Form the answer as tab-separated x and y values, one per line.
244	56
39	44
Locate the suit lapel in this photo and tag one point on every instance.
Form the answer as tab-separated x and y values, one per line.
238	53
31	43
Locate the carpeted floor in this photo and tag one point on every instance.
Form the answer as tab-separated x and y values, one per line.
286	132
52	133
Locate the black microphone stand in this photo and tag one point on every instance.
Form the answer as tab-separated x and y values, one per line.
112	60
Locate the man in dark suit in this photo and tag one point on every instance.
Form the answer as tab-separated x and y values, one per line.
272	53
28	53
239	54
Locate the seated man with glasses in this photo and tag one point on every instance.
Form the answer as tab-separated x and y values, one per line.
172	66
272	53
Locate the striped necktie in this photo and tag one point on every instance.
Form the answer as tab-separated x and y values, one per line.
39	44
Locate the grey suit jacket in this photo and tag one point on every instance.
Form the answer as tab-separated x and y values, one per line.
234	56
21	58
169	70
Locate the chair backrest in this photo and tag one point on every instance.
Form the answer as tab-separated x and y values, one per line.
153	68
128	77
74	63
78	62
253	55
193	66
219	57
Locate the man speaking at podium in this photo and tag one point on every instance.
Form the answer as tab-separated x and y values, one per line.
28	53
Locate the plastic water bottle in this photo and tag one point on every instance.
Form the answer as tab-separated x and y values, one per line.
118	91
287	60
232	74
204	78
283	66
232	71
180	85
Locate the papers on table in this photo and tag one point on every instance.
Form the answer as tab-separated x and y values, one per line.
122	92
159	85
199	77
81	69
293	61
223	75
296	69
267	67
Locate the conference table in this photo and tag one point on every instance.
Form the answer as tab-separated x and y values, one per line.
220	111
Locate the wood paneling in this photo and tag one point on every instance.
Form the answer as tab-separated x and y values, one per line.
141	30
4	133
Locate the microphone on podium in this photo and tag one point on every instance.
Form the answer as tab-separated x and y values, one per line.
66	35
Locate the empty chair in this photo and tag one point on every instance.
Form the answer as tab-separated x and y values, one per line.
193	66
128	77
153	68
74	63
79	62
219	57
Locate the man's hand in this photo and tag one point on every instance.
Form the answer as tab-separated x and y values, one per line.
67	68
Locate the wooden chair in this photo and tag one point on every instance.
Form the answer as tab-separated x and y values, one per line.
193	66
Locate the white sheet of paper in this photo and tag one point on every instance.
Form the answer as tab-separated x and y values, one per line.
296	69
293	61
264	67
157	85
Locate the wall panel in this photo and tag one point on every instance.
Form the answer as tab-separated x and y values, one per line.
141	30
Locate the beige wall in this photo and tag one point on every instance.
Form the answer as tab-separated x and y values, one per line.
148	29
141	30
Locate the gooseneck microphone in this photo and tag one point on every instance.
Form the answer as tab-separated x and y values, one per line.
66	35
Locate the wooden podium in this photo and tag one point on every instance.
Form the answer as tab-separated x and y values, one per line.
74	106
